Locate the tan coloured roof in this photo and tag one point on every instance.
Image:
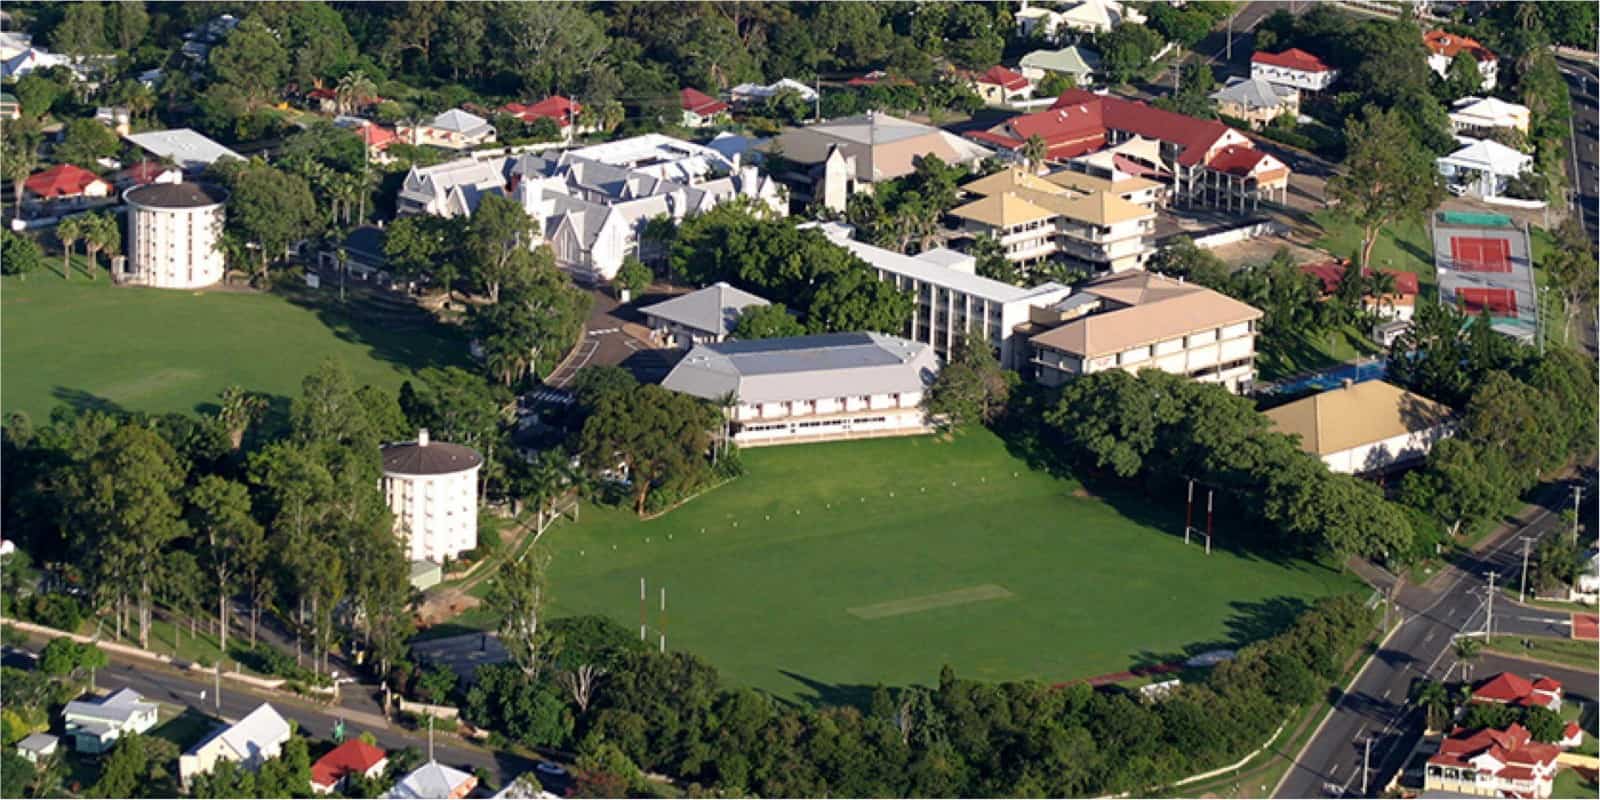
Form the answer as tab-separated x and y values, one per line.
1359	414
1153	308
1103	208
1084	182
884	147
1003	211
1008	180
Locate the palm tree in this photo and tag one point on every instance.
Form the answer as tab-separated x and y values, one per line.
1034	151
354	89
1467	651
728	403
239	409
19	155
100	232
1434	699
69	231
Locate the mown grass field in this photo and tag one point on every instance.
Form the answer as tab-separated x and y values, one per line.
87	343
830	568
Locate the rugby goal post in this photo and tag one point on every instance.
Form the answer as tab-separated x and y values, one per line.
1189	530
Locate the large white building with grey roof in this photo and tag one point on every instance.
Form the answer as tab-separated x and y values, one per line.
700	317
190	150
952	299
812	388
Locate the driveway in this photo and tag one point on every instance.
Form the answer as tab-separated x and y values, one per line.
615	335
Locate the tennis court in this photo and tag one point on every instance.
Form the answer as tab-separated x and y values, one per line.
1498	302
1480	254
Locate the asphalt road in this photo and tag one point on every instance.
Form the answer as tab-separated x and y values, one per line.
1583	85
1421	648
165	685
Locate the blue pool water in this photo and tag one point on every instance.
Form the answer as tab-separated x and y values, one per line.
1332	378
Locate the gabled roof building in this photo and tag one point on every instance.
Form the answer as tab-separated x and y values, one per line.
1492	763
66	182
700	109
433	781
1511	689
1479	115
1293	68
1365	427
840	157
95	725
1256	101
190	150
1443	47
252	741
999	86
1035	218
699	317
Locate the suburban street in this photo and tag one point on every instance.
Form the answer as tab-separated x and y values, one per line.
1421	648
1584	158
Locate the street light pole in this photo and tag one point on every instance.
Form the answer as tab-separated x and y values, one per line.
1366	757
1488	618
1577	494
1522	596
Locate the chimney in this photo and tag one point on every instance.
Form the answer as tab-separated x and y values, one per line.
1348	382
422	437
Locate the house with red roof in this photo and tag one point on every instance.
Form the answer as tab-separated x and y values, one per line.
1399	304
1443	47
1511	689
700	109
331	772
66	182
563	111
999	86
1293	67
1209	162
1492	763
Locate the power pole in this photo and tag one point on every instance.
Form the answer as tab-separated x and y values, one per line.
1522	596
1577	494
1488	619
1366	757
1230	37
217	677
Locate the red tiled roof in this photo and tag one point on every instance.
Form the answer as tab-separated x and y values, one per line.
376	136
1009	80
1571	730
1533	753
1547	684
322	94
1194	137
1448	45
1507	687
698	102
1237	159
555	107
354	756
1293	58
62	180
1516	773
1331	273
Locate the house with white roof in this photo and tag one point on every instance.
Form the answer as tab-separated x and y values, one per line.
813	388
451	189
432	781
13	43
189	149
37	747
1479	115
1483	167
1090	16
699	317
1256	101
250	742
952	300
94	725
452	130
748	94
30	59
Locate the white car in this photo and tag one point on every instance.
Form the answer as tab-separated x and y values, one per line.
549	768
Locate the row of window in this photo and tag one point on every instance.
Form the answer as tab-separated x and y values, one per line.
812	425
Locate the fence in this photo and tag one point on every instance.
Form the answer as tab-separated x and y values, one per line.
1247	231
135	652
450	713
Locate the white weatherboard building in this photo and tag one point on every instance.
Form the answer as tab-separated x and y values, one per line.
94	725
192	151
174	232
251	742
432	489
952	299
1365	427
813	388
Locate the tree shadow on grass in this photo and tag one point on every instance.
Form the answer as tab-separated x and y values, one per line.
1252	621
392	328
820	694
81	400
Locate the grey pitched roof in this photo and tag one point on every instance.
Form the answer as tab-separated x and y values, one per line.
431	780
714	309
1254	93
253	734
189	149
805	368
37	742
118	708
459	121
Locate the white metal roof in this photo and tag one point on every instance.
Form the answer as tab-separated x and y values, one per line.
714	309
1487	155
805	368
190	149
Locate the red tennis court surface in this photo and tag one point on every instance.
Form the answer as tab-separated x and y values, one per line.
1499	302
1480	254
1586	626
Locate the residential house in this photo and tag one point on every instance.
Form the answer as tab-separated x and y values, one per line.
66	183
250	742
432	781
199	41
1365	427
1256	101
1078	63
1482	167
9	107
1294	68
27	61
1207	162
452	130
1492	763
951	299
812	388
562	111
700	110
838	158
38	747
94	725
1035	219
451	189
1001	87
190	150
1511	689
353	757
699	317
1091	16
13	43
374	137
1444	46
144	173
116	118
1400	304
1141	320
1478	116
749	94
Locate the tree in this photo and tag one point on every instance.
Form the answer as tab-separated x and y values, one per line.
1462	78
1126	51
992	261
517	596
355	91
1034	152
422	244
1434	699
82	30
497	243
1572	269
137	766
269	210
436	683
661	437
231	539
766	322
19	255
251	60
85	142
633	277
126	25
1467	651
536	322
101	233
37	93
19	154
972	387
239	410
1386	176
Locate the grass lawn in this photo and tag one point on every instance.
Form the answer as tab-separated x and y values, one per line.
1571	783
1405	245
184	728
1571	652
1295	353
91	344
831	568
